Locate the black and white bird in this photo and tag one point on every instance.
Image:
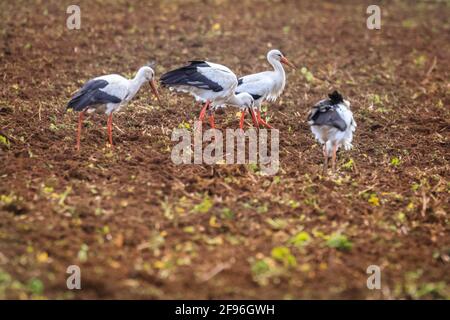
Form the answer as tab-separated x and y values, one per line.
267	85
333	125
111	91
210	83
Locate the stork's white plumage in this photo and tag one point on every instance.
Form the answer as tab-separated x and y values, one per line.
333	125
112	91
210	83
267	85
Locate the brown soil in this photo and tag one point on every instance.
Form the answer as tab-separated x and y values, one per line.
141	227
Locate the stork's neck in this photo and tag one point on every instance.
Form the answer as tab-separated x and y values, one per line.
277	67
136	83
138	80
279	75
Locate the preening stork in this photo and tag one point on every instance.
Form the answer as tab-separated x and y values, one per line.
333	125
267	85
112	91
210	83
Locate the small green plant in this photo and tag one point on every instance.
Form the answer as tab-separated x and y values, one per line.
4	141
348	165
184	125
284	255
277	223
259	267
262	208
253	167
8	199
420	60
83	253
13	203
374	200
395	161
276	179
401	217
189	229
307	74
409	23
204	206
339	241
166	207
415	186
227	213
293	204
53	127
417	288
376	99
264	269
35	286
300	239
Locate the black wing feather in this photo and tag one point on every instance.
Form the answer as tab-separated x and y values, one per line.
325	113
330	117
189	76
90	95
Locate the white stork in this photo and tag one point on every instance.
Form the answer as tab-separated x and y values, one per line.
112	91
267	85
333	125
210	83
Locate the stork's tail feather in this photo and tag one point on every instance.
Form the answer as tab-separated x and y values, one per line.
78	101
347	145
74	103
90	94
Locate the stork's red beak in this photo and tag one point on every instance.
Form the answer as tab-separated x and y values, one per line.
287	62
155	91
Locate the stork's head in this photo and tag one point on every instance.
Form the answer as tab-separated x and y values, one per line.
276	55
148	74
246	100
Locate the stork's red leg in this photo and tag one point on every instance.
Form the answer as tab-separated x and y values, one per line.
110	129
325	162
241	122
333	159
261	121
211	121
202	115
80	124
255	121
203	111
